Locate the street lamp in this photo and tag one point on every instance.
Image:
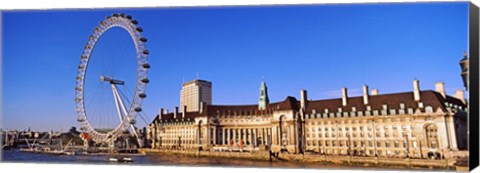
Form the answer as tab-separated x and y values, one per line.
464	66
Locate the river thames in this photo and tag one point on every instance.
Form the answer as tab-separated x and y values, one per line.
15	156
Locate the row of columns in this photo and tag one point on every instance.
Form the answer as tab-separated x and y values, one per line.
255	136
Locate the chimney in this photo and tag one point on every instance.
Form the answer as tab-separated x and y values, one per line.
416	90
303	99
160	113
184	111
374	92
459	94
175	113
201	107
344	96
365	94
440	88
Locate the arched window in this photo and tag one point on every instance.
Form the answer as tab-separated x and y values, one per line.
431	134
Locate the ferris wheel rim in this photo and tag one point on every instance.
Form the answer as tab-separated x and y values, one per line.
130	25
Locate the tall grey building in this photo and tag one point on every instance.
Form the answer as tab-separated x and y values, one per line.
193	93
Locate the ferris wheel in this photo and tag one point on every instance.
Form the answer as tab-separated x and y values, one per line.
110	86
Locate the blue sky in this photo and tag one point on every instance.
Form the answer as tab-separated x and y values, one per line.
320	48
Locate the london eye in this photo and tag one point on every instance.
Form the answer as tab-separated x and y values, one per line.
111	79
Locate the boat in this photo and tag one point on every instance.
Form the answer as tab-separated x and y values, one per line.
120	159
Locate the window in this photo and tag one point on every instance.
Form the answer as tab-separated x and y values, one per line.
396	145
428	109
431	132
387	144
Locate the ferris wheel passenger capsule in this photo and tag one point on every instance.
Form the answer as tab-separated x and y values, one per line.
138	109
81	119
135	22
128	17
132	121
139	29
115	15
142	95
143	39
146	52
146	65
145	80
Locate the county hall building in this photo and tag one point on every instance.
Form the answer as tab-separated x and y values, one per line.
414	124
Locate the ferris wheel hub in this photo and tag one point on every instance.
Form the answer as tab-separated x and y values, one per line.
111	80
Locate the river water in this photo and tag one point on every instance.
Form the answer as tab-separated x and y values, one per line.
169	160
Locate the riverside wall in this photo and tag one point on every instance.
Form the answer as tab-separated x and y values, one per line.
450	164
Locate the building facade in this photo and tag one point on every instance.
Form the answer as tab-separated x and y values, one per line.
416	124
194	92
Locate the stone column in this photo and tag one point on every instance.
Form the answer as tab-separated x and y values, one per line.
252	137
249	136
269	136
214	135
291	139
264	136
234	131
274	135
223	136
255	137
244	136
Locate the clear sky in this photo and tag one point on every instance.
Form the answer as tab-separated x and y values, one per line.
319	48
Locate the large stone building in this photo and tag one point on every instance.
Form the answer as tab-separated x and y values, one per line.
415	124
195	92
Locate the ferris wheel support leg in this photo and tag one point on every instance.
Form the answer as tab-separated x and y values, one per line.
117	102
121	107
